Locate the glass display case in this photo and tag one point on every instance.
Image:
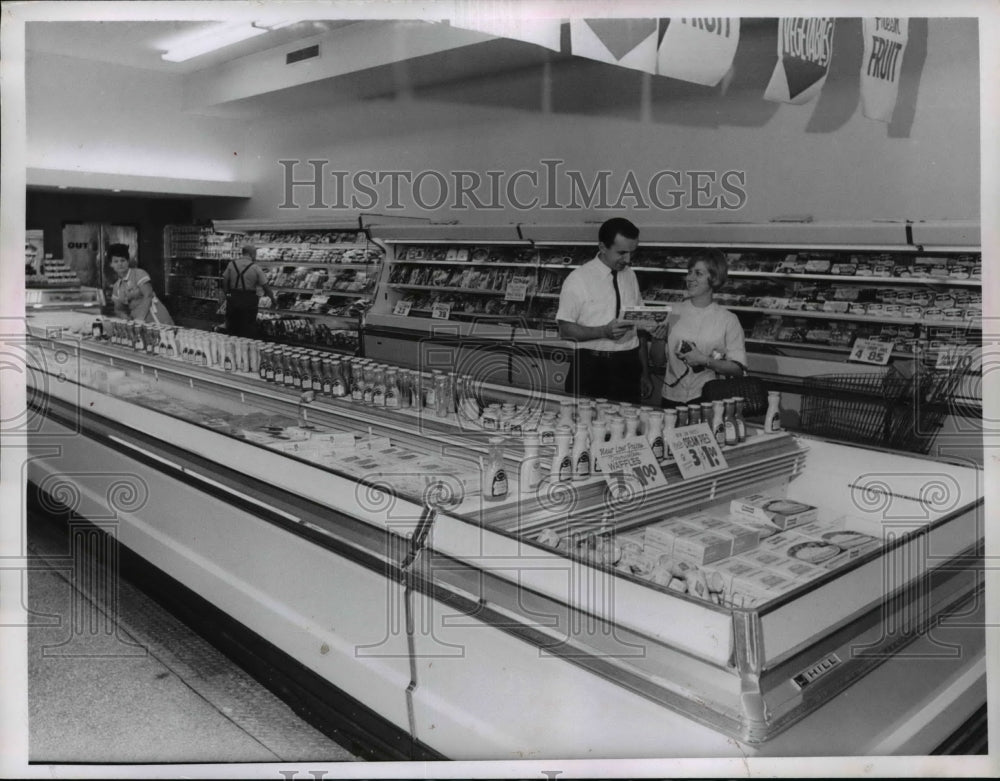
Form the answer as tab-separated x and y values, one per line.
557	598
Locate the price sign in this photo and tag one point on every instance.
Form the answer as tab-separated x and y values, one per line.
402	308
949	356
695	450
871	351
630	468
517	289
441	311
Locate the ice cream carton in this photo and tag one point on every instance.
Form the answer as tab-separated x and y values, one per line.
698	546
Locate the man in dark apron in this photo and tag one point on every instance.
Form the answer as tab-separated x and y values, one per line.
240	281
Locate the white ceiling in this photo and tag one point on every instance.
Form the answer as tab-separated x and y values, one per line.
139	44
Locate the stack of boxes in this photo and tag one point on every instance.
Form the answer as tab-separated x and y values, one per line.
765	547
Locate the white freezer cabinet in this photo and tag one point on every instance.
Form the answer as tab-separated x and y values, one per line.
449	618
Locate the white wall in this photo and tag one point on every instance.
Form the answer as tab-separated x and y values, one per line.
824	159
92	116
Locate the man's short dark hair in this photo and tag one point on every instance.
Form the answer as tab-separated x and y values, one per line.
614	227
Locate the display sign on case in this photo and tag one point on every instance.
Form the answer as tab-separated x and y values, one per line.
402	308
871	351
441	311
630	468
695	450
517	289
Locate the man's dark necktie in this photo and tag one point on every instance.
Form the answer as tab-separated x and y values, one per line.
618	295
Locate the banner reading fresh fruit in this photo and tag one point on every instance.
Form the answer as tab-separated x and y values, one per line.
698	50
885	41
805	47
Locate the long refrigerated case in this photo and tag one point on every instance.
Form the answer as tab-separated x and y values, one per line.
359	540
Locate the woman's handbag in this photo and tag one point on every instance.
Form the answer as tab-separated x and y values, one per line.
750	388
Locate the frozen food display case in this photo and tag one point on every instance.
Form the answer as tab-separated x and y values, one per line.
359	541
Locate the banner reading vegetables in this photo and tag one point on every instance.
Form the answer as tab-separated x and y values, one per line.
805	47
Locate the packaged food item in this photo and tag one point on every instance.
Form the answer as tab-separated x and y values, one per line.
699	547
744	538
782	513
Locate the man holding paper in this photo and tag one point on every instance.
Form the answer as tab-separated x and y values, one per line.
610	356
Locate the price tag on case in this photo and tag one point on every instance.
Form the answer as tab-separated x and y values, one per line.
441	311
630	468
695	450
402	308
517	289
871	351
948	356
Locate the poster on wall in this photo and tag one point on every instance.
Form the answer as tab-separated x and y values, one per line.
34	252
885	42
81	247
805	46
699	50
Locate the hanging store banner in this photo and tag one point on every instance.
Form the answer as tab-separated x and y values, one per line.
885	41
698	50
510	19
805	47
630	43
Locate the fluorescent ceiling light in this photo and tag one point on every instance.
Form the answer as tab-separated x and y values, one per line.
220	37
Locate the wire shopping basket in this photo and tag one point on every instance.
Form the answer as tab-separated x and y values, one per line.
934	389
857	407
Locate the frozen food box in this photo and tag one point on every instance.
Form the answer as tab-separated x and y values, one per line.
744	537
698	546
783	513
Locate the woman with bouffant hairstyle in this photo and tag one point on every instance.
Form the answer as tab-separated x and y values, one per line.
132	294
701	340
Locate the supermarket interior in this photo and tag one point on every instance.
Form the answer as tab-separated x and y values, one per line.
470	381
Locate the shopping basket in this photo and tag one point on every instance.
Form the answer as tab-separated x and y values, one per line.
933	391
858	407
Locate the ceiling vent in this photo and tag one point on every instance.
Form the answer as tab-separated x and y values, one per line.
302	54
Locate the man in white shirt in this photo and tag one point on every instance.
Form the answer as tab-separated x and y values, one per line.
610	357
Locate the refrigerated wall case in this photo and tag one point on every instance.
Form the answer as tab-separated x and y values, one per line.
449	616
323	274
804	293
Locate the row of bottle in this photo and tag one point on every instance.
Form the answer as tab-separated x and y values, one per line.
576	454
200	348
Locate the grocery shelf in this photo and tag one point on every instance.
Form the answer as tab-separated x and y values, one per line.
318	264
347	293
969	323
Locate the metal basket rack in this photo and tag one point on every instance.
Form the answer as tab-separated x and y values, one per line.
857	407
882	407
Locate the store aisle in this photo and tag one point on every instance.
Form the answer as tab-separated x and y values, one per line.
144	688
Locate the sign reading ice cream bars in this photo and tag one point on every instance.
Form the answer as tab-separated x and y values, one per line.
629	466
695	450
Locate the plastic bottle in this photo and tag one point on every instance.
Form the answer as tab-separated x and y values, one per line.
566	413
772	418
669	422
305	371
707	409
682	416
530	473
581	452
338	383
266	371
585	412
631	417
227	357
729	421
279	367
601	408
316	371
357	381
654	433
547	428
643	420
598	435
719	422
391	389
367	383
561	468
378	387
616	427
494	473
443	397
693	414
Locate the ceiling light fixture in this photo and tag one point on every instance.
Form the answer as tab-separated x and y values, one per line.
220	37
